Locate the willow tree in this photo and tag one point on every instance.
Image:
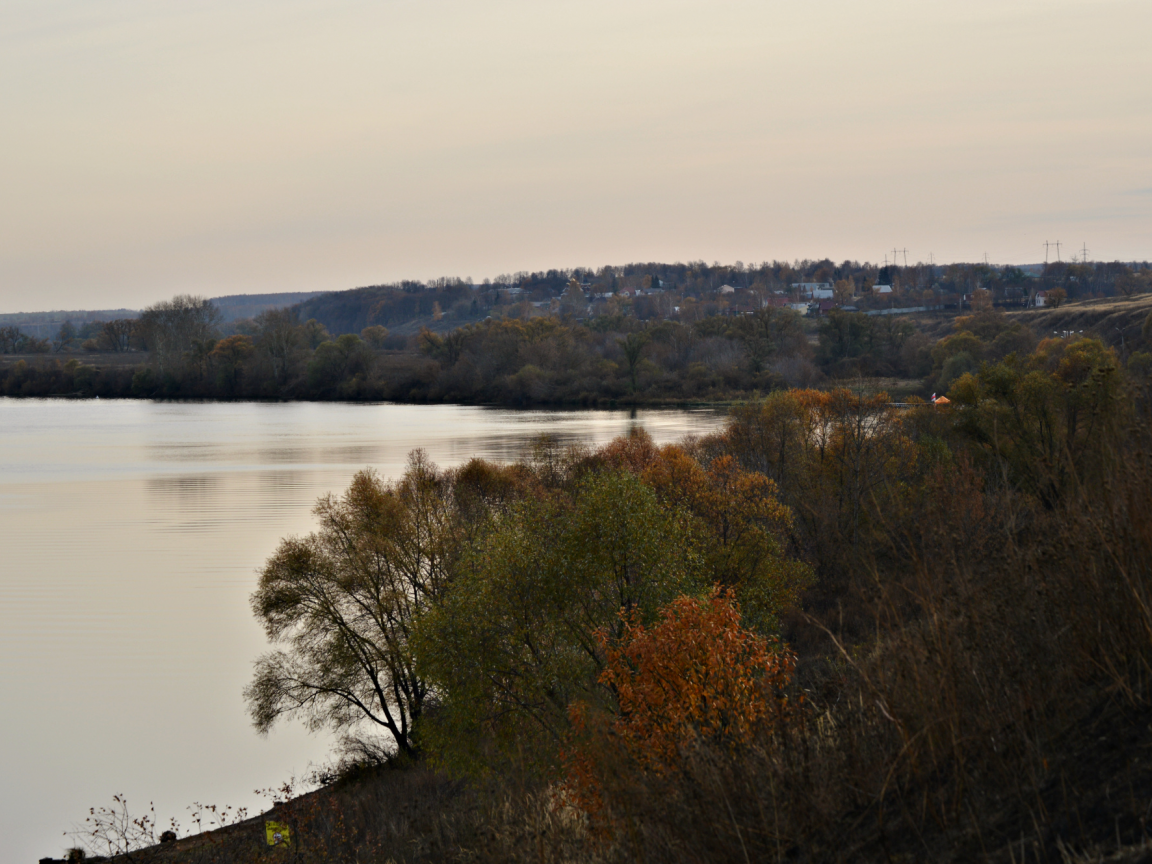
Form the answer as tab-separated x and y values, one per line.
341	603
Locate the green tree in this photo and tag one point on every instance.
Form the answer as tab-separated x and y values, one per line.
230	354
338	362
315	333
375	335
515	638
1050	419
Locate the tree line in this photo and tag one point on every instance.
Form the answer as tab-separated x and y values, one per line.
652	291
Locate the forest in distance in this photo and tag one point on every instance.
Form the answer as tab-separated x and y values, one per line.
835	630
639	334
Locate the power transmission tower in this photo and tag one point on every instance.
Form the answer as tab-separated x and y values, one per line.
905	251
1046	245
1057	245
1084	254
894	251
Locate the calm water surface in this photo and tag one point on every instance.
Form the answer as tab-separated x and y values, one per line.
130	533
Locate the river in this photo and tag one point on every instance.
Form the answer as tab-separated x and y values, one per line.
130	536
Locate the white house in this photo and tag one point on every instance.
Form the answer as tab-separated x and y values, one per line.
815	290
881	289
726	289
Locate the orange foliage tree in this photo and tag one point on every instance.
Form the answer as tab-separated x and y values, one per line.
697	675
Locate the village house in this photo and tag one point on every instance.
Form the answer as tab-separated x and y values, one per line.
815	290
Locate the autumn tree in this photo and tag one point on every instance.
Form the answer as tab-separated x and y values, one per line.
696	673
695	676
981	300
343	601
572	301
843	290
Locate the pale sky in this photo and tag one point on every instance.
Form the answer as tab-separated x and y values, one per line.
153	147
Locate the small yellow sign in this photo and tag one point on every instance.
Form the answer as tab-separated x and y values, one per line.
278	834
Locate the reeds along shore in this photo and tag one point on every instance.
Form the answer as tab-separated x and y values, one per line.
972	655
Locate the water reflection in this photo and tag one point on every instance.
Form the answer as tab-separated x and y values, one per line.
187	487
130	534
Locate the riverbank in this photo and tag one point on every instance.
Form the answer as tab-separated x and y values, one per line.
1099	776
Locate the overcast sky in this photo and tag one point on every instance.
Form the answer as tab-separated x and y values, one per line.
153	147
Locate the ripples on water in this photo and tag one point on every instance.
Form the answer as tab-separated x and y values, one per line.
130	533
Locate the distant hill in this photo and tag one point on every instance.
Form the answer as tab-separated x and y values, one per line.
237	306
45	325
393	306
